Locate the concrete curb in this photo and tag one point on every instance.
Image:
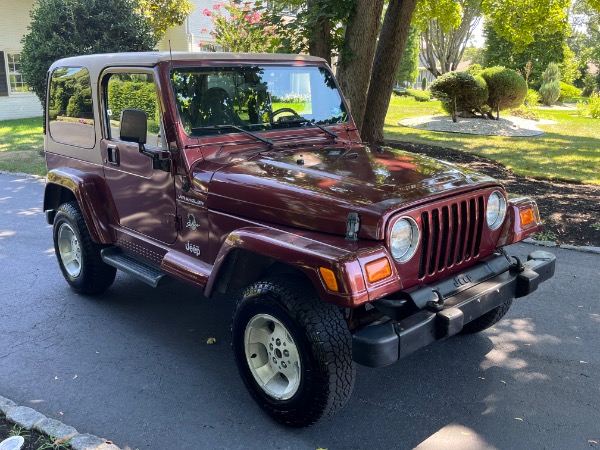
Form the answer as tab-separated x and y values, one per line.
578	248
31	419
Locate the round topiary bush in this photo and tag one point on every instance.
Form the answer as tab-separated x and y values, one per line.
506	88
459	92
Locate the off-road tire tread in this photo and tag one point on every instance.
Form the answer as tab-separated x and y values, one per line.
487	320
97	275
326	329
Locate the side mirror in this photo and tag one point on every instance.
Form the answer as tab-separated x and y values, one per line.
133	126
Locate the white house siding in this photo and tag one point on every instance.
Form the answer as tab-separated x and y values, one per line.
14	19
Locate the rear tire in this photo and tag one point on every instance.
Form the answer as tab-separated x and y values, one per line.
487	320
78	256
293	351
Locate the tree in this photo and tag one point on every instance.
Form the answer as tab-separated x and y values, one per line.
443	42
164	14
241	28
460	92
522	22
409	64
550	90
506	89
59	29
546	49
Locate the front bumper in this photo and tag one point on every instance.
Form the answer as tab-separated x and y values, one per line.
467	296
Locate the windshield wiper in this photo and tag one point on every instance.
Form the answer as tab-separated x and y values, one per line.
302	120
235	127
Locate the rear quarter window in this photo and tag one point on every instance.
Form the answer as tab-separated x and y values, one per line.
70	107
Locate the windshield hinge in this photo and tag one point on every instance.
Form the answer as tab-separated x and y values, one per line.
352	226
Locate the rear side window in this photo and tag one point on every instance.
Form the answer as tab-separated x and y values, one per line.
70	108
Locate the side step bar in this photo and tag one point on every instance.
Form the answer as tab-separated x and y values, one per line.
140	270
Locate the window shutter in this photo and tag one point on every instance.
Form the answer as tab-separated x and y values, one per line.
3	79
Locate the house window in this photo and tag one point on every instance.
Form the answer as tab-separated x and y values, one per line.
14	73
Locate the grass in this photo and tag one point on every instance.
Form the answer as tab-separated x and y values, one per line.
21	144
570	149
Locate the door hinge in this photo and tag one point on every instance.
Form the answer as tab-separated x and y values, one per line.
173	221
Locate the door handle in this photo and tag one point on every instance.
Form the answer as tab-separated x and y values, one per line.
113	155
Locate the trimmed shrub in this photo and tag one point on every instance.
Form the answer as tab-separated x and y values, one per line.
568	91
594	105
475	69
460	92
506	88
420	96
533	98
550	90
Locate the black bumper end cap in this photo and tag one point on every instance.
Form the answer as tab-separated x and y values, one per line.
376	346
449	322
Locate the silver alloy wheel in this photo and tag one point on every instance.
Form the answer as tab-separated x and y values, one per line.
272	356
69	250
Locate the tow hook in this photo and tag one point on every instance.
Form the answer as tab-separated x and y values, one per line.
517	266
514	267
436	306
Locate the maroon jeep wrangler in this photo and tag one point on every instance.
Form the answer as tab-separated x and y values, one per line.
245	174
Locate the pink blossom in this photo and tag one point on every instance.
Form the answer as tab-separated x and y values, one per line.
206	12
217	6
204	30
200	45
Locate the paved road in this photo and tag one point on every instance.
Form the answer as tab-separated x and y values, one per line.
133	364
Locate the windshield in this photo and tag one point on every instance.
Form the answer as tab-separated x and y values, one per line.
255	98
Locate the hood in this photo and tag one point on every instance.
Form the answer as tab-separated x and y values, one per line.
315	188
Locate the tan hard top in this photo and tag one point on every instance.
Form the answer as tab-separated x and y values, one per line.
96	63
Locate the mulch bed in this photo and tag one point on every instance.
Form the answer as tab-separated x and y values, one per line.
571	212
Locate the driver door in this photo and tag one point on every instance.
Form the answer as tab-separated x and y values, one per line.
144	196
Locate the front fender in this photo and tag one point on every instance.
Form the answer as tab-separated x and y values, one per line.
89	189
308	255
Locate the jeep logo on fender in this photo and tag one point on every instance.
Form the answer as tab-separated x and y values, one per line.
462	280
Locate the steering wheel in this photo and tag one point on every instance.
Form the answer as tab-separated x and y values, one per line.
284	110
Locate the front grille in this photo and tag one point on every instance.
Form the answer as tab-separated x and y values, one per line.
450	235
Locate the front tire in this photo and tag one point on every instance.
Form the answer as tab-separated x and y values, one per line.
78	256
293	351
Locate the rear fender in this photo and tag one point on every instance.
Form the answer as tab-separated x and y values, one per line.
89	190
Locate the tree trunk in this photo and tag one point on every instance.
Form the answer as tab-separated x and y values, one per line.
319	41
354	69
394	34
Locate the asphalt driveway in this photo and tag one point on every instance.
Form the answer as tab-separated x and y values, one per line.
133	365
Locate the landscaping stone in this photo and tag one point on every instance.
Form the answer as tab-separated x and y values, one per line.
581	249
55	428
6	404
24	416
86	442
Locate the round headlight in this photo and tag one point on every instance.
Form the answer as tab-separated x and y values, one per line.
404	239
496	210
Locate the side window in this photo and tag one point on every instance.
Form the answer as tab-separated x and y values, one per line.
137	91
70	108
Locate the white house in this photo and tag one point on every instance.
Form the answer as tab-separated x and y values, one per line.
16	101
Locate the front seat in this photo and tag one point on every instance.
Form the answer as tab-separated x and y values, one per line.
216	108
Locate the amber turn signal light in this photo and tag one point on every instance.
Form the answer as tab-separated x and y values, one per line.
527	216
378	270
329	279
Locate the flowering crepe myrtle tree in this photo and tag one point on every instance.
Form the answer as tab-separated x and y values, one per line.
240	28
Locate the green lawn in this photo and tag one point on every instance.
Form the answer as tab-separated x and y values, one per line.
21	142
570	149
